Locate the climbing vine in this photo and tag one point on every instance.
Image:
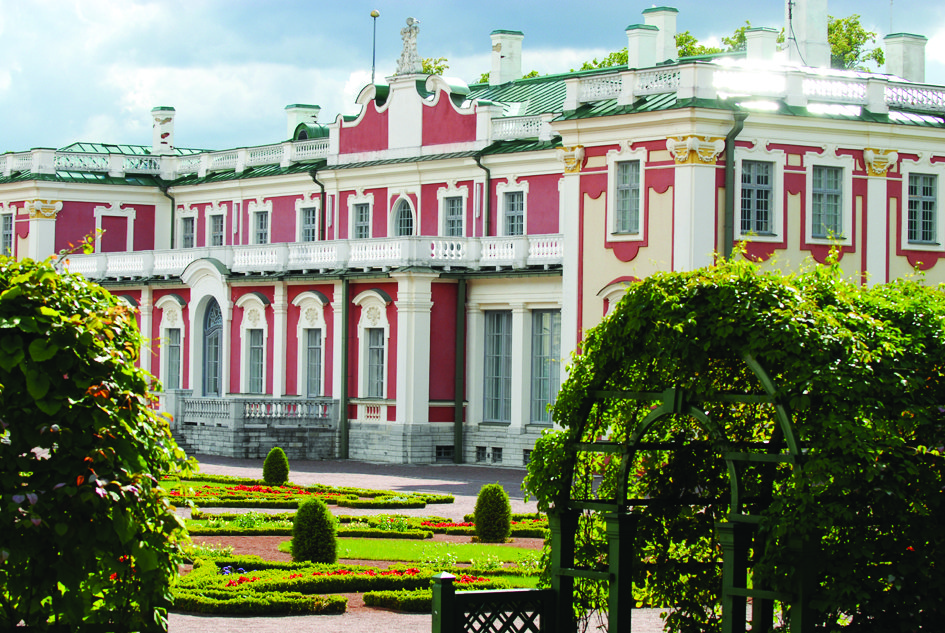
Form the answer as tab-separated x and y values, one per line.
860	370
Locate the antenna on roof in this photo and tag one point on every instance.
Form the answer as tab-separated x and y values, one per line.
791	36
374	15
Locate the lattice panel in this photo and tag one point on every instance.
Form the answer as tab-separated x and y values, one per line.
505	616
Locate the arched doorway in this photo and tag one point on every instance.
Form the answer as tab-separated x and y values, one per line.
212	338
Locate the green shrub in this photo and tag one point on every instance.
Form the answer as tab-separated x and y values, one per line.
493	514
313	533
276	467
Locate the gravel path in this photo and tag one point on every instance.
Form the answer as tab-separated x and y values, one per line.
461	481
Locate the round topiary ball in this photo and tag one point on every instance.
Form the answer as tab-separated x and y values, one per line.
493	515
276	467
313	533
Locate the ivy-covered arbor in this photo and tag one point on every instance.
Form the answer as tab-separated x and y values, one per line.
731	433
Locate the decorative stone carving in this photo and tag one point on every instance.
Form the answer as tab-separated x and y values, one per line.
44	209
573	157
311	316
373	315
171	316
253	316
409	62
695	148
878	161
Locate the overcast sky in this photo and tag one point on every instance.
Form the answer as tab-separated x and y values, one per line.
91	70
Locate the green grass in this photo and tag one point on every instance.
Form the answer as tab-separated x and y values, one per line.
419	552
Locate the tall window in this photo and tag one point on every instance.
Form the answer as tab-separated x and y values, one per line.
6	234
515	213
756	196
313	362
826	201
172	378
546	355
498	367
216	230
309	224
375	363
403	221
454	216
362	221
187	232
256	360
922	198
261	227
627	218
212	334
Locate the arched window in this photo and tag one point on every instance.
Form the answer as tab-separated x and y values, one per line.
212	335
403	221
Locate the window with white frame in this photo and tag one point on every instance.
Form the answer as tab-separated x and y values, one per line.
188	229
826	202
922	202
497	378
260	227
627	216
373	339
256	361
172	340
453	214
376	344
546	362
313	362
361	229
403	219
216	230
6	234
757	193
513	207
253	334
311	337
173	364
308	216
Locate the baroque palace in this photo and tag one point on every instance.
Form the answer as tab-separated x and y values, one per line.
406	285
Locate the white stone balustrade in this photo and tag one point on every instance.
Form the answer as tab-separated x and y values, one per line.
377	253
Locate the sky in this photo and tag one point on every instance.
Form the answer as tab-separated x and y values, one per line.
91	70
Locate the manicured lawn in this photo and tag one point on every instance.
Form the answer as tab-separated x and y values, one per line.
420	552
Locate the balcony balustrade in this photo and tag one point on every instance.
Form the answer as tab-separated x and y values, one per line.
306	257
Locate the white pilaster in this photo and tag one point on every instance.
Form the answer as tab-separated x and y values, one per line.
569	203
521	367
337	331
694	224
280	309
876	230
42	242
414	302
475	331
147	315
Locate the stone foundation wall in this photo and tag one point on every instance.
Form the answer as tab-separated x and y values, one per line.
254	441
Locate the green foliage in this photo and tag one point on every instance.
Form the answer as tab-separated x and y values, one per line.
86	533
276	467
313	533
859	368
434	66
688	46
848	44
219	602
419	601
493	514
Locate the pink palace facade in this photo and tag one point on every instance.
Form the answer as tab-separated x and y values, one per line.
406	285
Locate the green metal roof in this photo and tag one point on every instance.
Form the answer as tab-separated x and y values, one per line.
134	180
250	172
130	150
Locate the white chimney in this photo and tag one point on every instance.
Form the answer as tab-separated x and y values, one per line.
663	18
805	28
162	130
506	56
297	113
905	56
762	43
641	45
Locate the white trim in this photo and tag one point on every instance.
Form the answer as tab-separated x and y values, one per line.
395	210
759	153
624	155
172	317
311	317
359	197
847	164
254	318
451	191
256	206
922	166
502	188
114	209
307	201
214	209
373	315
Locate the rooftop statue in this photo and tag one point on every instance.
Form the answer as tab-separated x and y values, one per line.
409	62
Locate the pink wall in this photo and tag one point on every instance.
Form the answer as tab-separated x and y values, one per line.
114	238
282	225
368	135
144	227
543	199
443	341
429	223
442	123
75	221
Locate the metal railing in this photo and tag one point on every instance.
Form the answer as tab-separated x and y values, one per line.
491	611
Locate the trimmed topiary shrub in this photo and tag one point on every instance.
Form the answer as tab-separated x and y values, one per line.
276	467
313	533
493	514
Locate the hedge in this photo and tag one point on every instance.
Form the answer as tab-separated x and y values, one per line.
380	502
420	600
212	601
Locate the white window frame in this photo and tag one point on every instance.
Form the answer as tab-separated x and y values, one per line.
213	211
9	250
188	228
847	164
442	195
760	154
394	215
487	396
535	417
373	316
922	166
115	209
254	207
624	155
172	318
307	201
311	317
254	318
359	197
511	186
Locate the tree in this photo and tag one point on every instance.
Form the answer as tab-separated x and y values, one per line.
434	66
688	46
86	534
848	40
